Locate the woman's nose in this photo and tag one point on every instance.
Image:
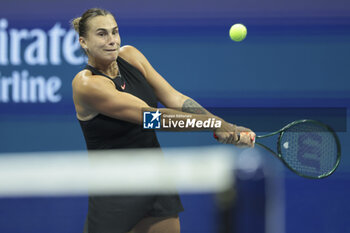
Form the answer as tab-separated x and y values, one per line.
112	39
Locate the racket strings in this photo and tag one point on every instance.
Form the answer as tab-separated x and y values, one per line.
310	149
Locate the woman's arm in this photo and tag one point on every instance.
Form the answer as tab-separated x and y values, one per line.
171	98
166	94
96	94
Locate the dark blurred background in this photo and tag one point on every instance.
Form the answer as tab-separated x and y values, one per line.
296	56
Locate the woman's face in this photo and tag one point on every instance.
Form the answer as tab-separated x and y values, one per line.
102	42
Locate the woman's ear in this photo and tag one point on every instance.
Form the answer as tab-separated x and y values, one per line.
82	42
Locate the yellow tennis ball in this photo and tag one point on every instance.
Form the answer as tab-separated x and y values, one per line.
238	32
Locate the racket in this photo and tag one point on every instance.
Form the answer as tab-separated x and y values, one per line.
309	148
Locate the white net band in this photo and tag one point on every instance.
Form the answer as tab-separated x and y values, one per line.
190	170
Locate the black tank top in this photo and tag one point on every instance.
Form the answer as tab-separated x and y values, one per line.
103	132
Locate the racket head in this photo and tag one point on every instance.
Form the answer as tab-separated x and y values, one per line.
309	148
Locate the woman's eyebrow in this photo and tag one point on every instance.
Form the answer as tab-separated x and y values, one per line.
104	29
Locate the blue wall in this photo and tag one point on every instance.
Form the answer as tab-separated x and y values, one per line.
295	55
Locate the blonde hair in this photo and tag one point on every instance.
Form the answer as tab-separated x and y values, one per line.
75	24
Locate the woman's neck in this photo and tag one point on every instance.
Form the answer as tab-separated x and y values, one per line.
109	69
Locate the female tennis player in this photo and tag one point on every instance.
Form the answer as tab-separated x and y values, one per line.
109	95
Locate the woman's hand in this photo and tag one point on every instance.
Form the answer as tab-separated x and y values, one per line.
236	135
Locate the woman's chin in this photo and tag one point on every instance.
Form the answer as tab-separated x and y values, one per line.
112	57
109	59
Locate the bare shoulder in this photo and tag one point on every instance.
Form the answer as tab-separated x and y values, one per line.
88	89
133	56
81	77
129	53
86	82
